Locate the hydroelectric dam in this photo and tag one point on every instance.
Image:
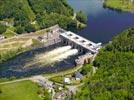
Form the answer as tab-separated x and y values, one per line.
59	50
85	47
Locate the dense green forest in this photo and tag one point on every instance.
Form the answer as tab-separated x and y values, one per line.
32	15
123	5
114	79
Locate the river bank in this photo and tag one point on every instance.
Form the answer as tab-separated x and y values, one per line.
127	6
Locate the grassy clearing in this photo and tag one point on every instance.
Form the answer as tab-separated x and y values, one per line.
25	90
26	36
11	45
60	79
124	5
18	44
9	33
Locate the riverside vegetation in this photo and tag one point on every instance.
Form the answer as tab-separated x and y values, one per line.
123	5
114	77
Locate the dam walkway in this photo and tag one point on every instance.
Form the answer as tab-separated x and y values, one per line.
87	44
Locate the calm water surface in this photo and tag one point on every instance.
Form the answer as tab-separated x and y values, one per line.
102	23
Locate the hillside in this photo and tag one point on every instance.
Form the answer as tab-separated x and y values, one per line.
114	77
56	6
17	9
31	15
123	5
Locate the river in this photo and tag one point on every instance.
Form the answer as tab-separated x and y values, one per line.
102	23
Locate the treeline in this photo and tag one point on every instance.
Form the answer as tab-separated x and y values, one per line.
51	19
123	42
121	5
114	79
10	54
48	6
32	15
17	10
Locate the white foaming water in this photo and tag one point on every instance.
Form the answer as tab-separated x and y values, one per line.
65	55
53	53
56	55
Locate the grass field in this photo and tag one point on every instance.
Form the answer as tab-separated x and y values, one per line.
16	42
124	5
25	90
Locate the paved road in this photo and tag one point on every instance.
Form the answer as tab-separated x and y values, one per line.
74	16
18	80
33	78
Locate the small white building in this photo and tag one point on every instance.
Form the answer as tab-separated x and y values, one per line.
67	80
1	37
60	88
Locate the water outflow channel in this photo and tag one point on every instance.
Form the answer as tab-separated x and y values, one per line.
42	60
52	57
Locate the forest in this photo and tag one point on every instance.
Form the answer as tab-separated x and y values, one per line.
114	77
31	15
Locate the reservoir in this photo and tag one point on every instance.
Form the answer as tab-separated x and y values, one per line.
103	23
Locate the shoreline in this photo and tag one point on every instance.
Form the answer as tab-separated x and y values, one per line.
105	5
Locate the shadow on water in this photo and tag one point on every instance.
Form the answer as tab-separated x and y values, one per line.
15	66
